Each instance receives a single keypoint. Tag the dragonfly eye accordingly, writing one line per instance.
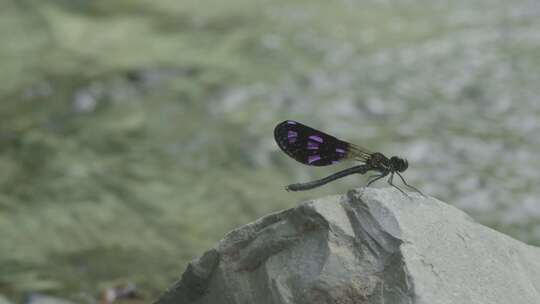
(404, 164)
(399, 164)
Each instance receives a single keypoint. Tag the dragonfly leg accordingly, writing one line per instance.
(373, 175)
(390, 181)
(404, 182)
(377, 178)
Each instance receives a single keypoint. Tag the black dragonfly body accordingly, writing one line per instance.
(315, 148)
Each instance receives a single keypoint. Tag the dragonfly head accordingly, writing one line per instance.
(399, 164)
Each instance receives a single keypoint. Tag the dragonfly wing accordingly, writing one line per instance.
(313, 147)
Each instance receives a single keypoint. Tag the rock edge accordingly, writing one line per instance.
(368, 246)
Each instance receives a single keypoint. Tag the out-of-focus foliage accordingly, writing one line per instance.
(134, 133)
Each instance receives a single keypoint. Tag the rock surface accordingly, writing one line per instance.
(369, 246)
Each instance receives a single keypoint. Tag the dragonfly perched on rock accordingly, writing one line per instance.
(315, 148)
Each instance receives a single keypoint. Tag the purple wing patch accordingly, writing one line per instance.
(291, 136)
(313, 158)
(310, 146)
(316, 138)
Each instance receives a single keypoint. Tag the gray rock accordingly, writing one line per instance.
(369, 246)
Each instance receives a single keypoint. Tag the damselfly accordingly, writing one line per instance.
(315, 148)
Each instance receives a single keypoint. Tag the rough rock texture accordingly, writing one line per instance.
(369, 246)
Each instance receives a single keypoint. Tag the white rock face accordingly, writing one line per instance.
(369, 246)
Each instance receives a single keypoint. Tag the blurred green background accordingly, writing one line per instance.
(134, 134)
